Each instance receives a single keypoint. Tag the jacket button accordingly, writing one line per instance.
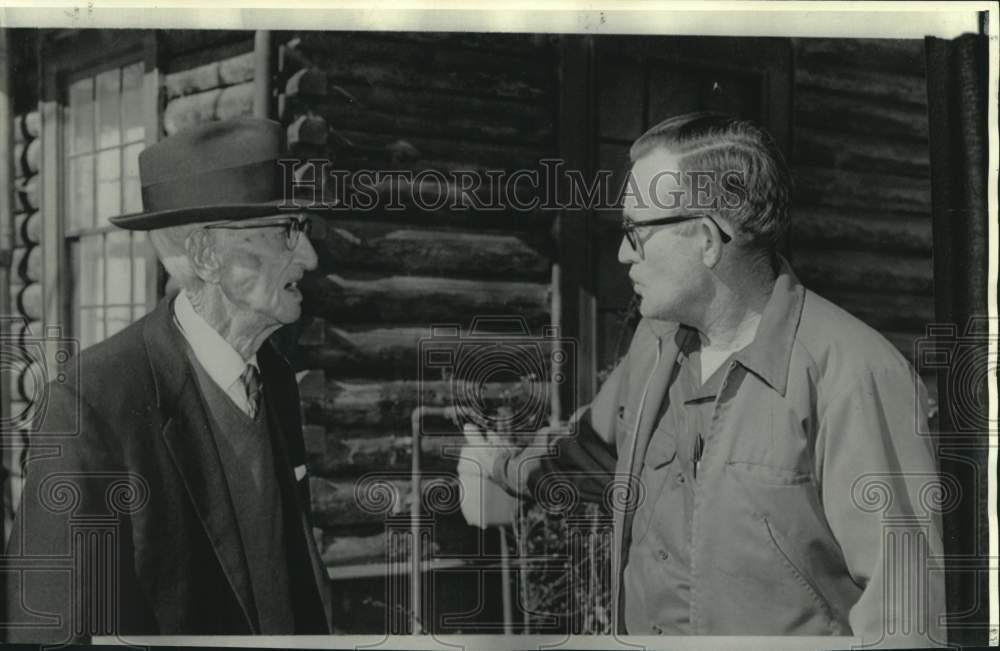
(657, 630)
(663, 555)
(621, 411)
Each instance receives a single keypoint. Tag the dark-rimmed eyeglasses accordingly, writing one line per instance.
(630, 227)
(294, 227)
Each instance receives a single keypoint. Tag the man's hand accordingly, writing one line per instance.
(484, 501)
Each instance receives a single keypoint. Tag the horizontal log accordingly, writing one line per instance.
(193, 80)
(386, 247)
(372, 409)
(862, 152)
(437, 106)
(868, 191)
(308, 82)
(343, 550)
(367, 353)
(452, 154)
(856, 230)
(308, 130)
(886, 311)
(185, 41)
(373, 499)
(427, 200)
(828, 268)
(237, 69)
(419, 299)
(894, 55)
(822, 109)
(350, 457)
(340, 546)
(862, 82)
(369, 59)
(187, 111)
(452, 125)
(235, 102)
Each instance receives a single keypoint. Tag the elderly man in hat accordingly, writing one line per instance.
(177, 503)
(764, 452)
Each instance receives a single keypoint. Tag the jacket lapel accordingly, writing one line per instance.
(653, 384)
(656, 396)
(188, 436)
(282, 408)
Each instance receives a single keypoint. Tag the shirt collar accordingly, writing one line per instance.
(769, 354)
(219, 359)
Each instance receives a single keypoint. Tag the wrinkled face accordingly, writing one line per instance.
(259, 274)
(667, 270)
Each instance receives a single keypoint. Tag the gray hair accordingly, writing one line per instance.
(171, 249)
(723, 145)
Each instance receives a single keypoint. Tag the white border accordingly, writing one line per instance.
(786, 19)
(706, 18)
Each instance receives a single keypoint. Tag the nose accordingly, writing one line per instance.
(305, 254)
(626, 254)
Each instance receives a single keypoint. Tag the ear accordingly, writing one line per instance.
(203, 252)
(712, 251)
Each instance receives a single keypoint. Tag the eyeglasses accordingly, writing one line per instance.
(630, 227)
(294, 227)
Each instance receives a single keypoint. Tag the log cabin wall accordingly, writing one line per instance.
(861, 227)
(207, 76)
(417, 102)
(25, 275)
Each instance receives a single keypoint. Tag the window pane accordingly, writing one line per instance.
(119, 266)
(132, 124)
(91, 326)
(141, 252)
(108, 118)
(108, 185)
(80, 192)
(91, 273)
(118, 318)
(81, 119)
(132, 190)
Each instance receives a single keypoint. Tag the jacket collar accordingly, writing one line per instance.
(769, 354)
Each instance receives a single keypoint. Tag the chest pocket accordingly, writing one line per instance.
(767, 442)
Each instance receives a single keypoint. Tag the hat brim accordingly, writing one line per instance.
(148, 221)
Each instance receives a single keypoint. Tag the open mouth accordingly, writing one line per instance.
(292, 286)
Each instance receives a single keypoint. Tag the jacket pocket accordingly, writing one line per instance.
(779, 546)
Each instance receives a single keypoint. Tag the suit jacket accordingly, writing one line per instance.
(126, 524)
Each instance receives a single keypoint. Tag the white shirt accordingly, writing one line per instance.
(220, 360)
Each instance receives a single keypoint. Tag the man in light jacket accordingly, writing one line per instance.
(764, 452)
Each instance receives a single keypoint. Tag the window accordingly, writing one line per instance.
(111, 269)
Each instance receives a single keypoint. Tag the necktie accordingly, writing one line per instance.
(251, 382)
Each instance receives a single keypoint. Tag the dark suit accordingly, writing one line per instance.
(157, 548)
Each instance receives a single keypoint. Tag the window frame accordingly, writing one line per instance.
(70, 55)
